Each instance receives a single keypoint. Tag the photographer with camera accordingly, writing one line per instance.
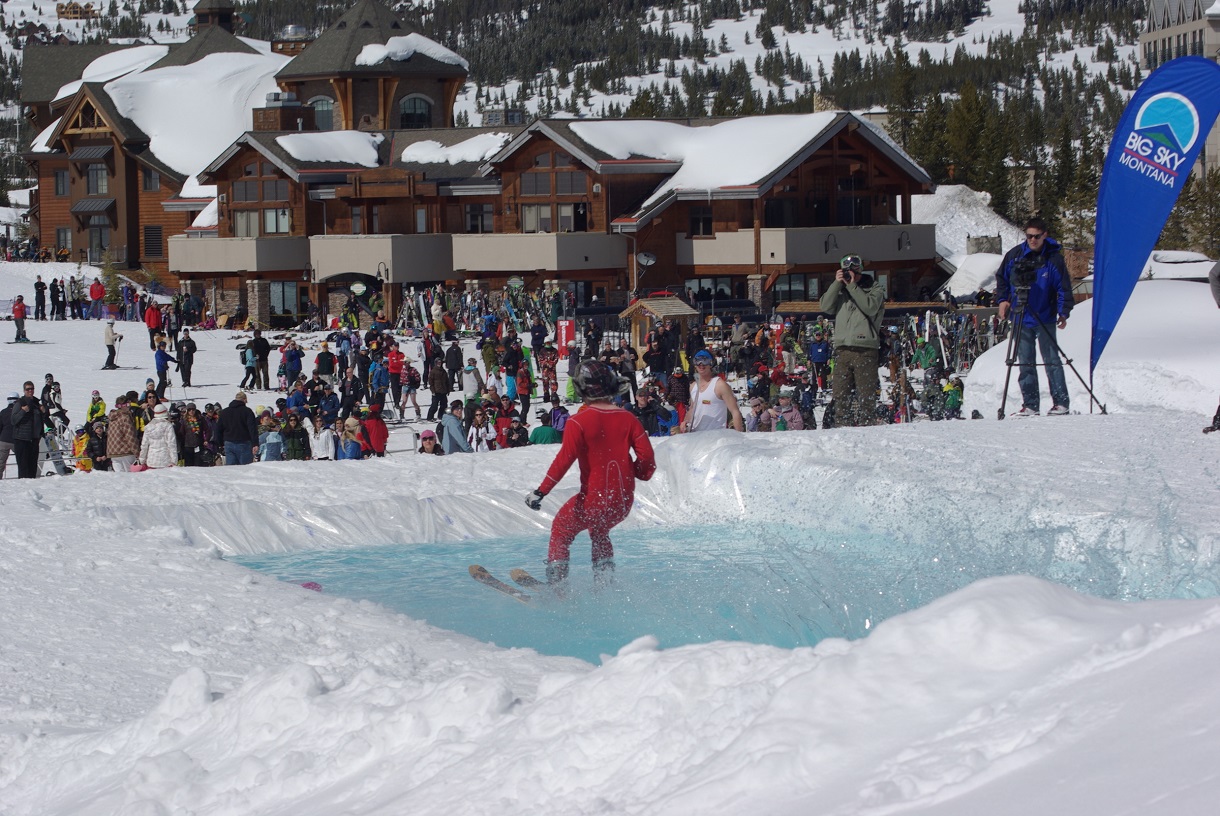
(1033, 280)
(857, 307)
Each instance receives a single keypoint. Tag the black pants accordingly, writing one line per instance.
(40, 308)
(437, 408)
(152, 338)
(26, 452)
(251, 378)
(261, 379)
(185, 370)
(396, 389)
(110, 356)
(162, 382)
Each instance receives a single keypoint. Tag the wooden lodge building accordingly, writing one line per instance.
(353, 172)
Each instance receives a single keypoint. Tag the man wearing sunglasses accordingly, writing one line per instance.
(1033, 280)
(857, 307)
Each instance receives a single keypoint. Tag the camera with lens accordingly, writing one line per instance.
(1025, 271)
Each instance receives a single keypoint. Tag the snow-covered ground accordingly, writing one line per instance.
(144, 675)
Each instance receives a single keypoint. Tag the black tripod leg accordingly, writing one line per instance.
(1059, 350)
(1010, 359)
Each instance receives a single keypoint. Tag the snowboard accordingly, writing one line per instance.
(23, 342)
(487, 579)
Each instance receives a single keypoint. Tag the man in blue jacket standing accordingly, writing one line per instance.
(1033, 279)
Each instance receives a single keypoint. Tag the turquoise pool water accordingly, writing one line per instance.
(782, 585)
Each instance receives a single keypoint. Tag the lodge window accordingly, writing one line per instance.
(563, 160)
(154, 242)
(375, 220)
(250, 169)
(700, 222)
(536, 184)
(573, 217)
(542, 160)
(277, 221)
(323, 112)
(152, 180)
(480, 218)
(709, 288)
(421, 220)
(570, 183)
(245, 223)
(245, 191)
(536, 218)
(357, 220)
(98, 179)
(414, 112)
(61, 183)
(63, 237)
(275, 190)
(798, 286)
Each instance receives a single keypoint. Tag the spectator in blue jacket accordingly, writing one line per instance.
(819, 359)
(1045, 306)
(328, 408)
(163, 359)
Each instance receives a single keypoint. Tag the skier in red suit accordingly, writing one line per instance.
(601, 437)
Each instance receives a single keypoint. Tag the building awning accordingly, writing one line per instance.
(659, 308)
(90, 206)
(90, 153)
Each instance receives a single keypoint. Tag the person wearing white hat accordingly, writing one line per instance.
(111, 339)
(159, 448)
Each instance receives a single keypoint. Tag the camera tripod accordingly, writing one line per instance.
(1018, 319)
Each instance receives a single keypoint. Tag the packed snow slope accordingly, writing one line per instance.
(143, 674)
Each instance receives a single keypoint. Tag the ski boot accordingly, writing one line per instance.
(556, 572)
(603, 573)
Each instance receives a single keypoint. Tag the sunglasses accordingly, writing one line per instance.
(1034, 235)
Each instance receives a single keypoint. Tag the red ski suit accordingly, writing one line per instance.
(602, 441)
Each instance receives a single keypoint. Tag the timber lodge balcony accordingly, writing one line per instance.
(811, 245)
(209, 256)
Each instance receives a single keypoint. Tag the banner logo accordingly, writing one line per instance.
(1166, 128)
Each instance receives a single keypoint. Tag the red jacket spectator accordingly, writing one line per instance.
(152, 316)
(394, 360)
(373, 434)
(96, 290)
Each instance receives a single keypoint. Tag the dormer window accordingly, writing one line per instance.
(415, 112)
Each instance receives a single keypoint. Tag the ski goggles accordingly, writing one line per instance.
(851, 262)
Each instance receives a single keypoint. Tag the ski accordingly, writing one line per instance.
(120, 368)
(523, 578)
(30, 342)
(487, 579)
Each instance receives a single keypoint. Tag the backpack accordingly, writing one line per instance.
(241, 353)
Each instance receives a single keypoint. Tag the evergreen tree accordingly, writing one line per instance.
(963, 124)
(902, 97)
(927, 144)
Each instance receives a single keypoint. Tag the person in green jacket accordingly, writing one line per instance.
(545, 434)
(857, 306)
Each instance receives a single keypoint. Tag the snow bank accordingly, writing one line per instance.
(338, 146)
(1169, 264)
(972, 272)
(143, 674)
(475, 149)
(403, 48)
(960, 213)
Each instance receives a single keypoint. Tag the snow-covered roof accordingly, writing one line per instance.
(475, 149)
(405, 47)
(715, 158)
(339, 146)
(115, 64)
(1176, 264)
(208, 217)
(191, 113)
